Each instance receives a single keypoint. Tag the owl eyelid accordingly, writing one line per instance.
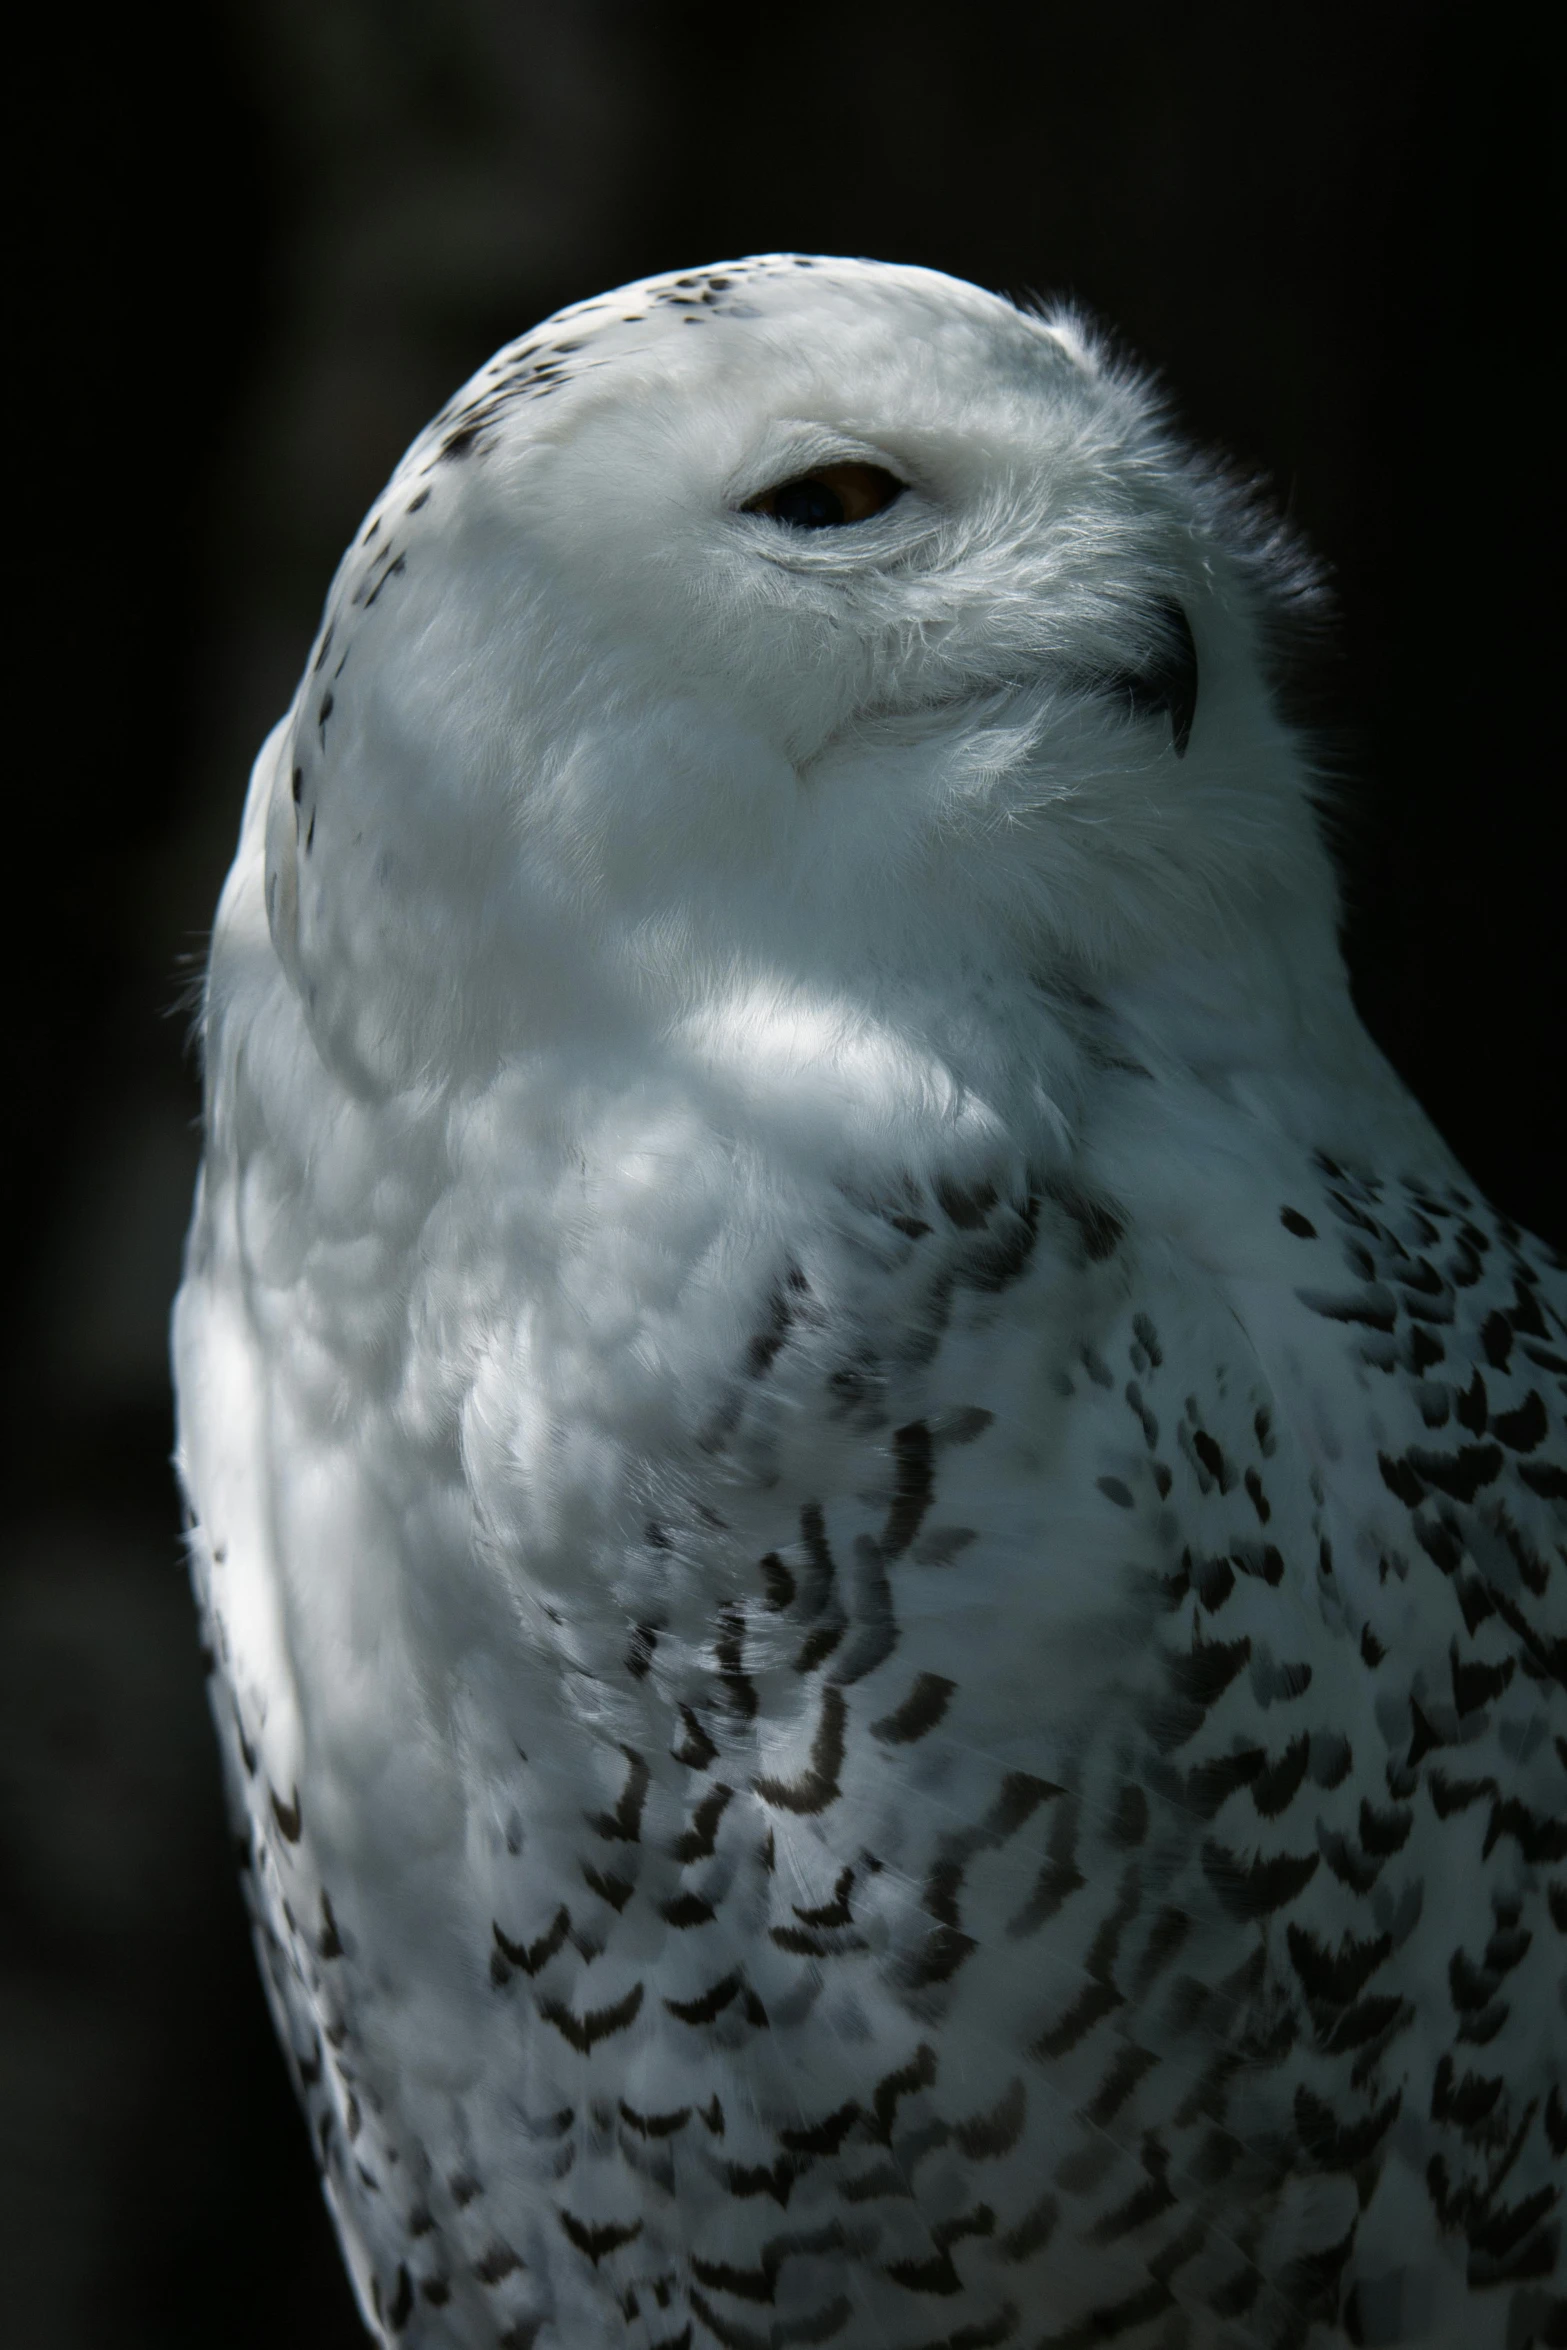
(796, 454)
(842, 494)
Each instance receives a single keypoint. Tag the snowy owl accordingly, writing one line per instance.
(881, 1532)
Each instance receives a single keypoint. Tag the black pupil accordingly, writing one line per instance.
(808, 505)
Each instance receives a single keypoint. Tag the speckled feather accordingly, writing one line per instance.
(884, 1539)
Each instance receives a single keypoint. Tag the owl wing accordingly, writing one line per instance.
(1061, 1825)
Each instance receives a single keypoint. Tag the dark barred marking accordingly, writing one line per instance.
(1203, 1674)
(1148, 1340)
(834, 1913)
(1374, 1307)
(1058, 1879)
(919, 1713)
(393, 570)
(799, 1944)
(1274, 1788)
(1210, 1785)
(919, 2073)
(819, 1785)
(745, 2284)
(400, 2307)
(988, 2334)
(1215, 1580)
(1470, 1987)
(760, 2283)
(700, 1839)
(696, 1750)
(1212, 1459)
(728, 1654)
(823, 2324)
(287, 1816)
(1129, 2066)
(1384, 1832)
(1378, 2018)
(1474, 1684)
(1100, 1230)
(781, 1316)
(780, 1583)
(497, 2263)
(1006, 1250)
(617, 1891)
(596, 2242)
(531, 1956)
(680, 2341)
(985, 2136)
(945, 1950)
(623, 1825)
(869, 2186)
(777, 2180)
(935, 2275)
(1349, 1866)
(819, 1645)
(1255, 1888)
(639, 1651)
(1461, 1474)
(708, 2005)
(600, 2023)
(1145, 2203)
(914, 1487)
(1334, 1978)
(1018, 1799)
(967, 1209)
(1090, 2007)
(687, 1909)
(1119, 2317)
(823, 2137)
(1538, 1840)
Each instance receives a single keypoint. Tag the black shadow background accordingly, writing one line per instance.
(264, 242)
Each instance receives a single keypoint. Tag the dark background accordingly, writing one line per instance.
(264, 242)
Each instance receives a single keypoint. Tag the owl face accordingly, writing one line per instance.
(799, 616)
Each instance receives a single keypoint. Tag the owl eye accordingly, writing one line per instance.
(829, 496)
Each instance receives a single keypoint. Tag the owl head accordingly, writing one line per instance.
(796, 623)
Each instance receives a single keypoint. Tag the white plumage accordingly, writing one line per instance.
(882, 1531)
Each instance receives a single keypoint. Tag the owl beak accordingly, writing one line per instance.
(1169, 683)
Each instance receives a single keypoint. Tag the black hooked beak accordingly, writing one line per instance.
(1169, 683)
